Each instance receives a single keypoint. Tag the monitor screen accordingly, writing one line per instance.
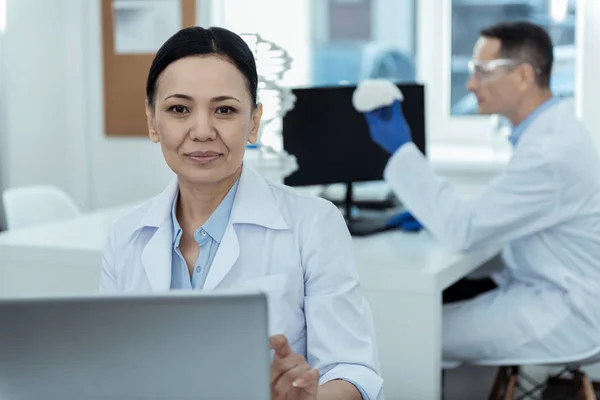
(331, 140)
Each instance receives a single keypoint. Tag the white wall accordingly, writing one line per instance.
(55, 128)
(3, 145)
(36, 107)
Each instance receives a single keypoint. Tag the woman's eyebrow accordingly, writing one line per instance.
(223, 98)
(180, 96)
(216, 99)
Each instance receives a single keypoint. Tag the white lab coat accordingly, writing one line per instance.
(544, 212)
(294, 247)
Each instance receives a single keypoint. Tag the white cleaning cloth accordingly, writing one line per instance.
(372, 94)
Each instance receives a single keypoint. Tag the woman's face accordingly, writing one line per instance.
(203, 117)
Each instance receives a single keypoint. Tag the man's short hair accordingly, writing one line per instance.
(525, 42)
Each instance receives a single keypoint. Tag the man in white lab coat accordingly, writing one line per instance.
(543, 211)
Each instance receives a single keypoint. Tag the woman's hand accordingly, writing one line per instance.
(291, 376)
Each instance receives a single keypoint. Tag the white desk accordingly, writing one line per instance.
(402, 275)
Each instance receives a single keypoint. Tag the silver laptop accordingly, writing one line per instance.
(172, 346)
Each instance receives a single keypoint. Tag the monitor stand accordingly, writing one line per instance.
(366, 222)
(390, 201)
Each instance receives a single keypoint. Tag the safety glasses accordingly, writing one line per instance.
(486, 71)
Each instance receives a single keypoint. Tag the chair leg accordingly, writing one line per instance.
(511, 387)
(499, 383)
(443, 384)
(505, 384)
(586, 389)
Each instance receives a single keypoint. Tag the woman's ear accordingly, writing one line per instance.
(151, 123)
(256, 116)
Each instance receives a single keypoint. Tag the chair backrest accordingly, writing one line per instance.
(33, 205)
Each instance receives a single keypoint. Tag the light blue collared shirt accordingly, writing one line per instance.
(208, 237)
(519, 129)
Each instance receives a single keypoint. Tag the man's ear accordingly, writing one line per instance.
(256, 116)
(151, 124)
(527, 75)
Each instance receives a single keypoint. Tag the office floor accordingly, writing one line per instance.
(474, 383)
(468, 383)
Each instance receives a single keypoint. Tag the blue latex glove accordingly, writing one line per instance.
(388, 127)
(405, 221)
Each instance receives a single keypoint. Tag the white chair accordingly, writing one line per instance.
(507, 382)
(33, 205)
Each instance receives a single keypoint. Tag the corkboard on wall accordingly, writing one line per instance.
(125, 77)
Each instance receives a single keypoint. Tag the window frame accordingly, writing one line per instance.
(434, 20)
(3, 7)
(3, 114)
(587, 84)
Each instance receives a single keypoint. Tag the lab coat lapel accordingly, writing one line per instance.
(157, 253)
(156, 259)
(254, 204)
(227, 255)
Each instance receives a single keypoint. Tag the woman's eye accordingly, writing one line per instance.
(225, 110)
(179, 109)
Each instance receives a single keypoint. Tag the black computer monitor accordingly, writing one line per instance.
(332, 144)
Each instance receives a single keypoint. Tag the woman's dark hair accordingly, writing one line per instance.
(197, 41)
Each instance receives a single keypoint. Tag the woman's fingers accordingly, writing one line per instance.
(307, 379)
(293, 379)
(280, 345)
(290, 372)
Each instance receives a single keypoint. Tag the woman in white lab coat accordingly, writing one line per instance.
(543, 211)
(220, 225)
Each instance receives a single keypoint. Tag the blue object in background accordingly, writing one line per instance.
(405, 221)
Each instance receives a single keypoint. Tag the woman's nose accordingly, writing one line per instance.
(203, 129)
